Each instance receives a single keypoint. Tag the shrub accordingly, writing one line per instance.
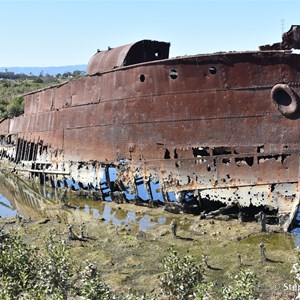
(3, 106)
(244, 287)
(55, 269)
(203, 291)
(181, 276)
(38, 80)
(28, 273)
(15, 107)
(92, 286)
(18, 266)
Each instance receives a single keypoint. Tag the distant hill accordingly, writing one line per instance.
(44, 70)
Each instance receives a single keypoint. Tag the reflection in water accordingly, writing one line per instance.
(145, 222)
(161, 220)
(297, 238)
(6, 209)
(36, 201)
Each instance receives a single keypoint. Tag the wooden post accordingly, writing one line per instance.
(174, 228)
(263, 220)
(262, 249)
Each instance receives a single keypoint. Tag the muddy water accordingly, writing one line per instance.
(35, 201)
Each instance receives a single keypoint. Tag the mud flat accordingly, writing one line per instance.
(130, 254)
(128, 242)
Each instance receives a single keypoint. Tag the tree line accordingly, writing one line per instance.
(11, 75)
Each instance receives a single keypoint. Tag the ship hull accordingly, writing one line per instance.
(205, 123)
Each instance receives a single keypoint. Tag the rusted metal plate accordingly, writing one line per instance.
(46, 100)
(107, 60)
(4, 127)
(139, 52)
(62, 97)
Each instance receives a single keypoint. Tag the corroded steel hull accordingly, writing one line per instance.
(224, 125)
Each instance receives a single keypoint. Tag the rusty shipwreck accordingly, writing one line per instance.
(222, 127)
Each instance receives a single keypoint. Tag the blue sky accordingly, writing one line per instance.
(68, 32)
